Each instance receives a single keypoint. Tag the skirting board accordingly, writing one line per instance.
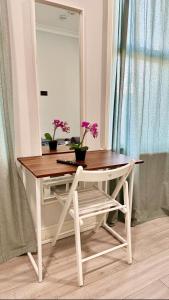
(68, 230)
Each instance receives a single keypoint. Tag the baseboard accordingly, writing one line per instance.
(68, 229)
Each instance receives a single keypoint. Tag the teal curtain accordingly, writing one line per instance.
(17, 235)
(144, 104)
(145, 127)
(120, 40)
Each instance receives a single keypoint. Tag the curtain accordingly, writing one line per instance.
(120, 39)
(144, 116)
(17, 235)
(120, 17)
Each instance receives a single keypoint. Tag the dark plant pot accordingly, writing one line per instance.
(53, 145)
(80, 155)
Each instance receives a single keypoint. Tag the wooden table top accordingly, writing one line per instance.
(60, 149)
(46, 165)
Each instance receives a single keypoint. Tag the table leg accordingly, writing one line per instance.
(131, 184)
(38, 227)
(37, 266)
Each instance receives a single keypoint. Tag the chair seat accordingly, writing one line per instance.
(92, 200)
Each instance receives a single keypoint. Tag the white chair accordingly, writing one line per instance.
(92, 202)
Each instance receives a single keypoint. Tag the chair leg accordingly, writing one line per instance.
(102, 219)
(61, 221)
(128, 223)
(77, 240)
(100, 222)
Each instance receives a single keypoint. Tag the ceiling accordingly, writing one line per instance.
(56, 18)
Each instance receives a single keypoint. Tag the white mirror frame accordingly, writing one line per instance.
(61, 3)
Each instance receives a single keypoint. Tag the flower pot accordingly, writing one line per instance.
(80, 154)
(53, 145)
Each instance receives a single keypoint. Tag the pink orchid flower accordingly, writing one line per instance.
(63, 125)
(93, 128)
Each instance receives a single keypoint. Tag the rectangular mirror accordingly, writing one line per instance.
(59, 70)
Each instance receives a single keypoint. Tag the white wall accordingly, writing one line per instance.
(58, 73)
(22, 42)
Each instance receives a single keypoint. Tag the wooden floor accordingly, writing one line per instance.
(107, 277)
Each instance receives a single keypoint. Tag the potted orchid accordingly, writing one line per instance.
(80, 149)
(51, 138)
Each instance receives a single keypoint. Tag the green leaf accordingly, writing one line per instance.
(74, 146)
(78, 146)
(84, 148)
(48, 136)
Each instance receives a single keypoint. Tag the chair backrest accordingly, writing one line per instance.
(103, 175)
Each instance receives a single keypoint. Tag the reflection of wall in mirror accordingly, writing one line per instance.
(58, 72)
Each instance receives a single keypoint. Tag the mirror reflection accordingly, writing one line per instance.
(58, 63)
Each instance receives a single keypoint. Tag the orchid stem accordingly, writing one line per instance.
(54, 133)
(83, 138)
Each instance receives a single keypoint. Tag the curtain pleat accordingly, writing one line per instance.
(119, 69)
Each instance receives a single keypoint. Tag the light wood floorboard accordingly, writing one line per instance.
(107, 277)
(155, 290)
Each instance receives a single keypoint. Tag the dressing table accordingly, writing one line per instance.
(44, 166)
(61, 88)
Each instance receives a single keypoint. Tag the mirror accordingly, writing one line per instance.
(58, 68)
